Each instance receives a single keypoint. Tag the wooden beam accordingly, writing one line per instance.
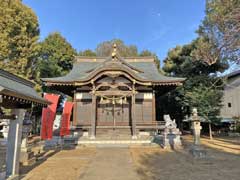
(113, 93)
(74, 109)
(11, 117)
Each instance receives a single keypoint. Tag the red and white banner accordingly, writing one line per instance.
(48, 116)
(65, 122)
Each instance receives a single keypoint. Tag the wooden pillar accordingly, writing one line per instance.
(153, 107)
(134, 135)
(14, 143)
(93, 121)
(74, 109)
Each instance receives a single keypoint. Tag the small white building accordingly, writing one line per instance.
(231, 99)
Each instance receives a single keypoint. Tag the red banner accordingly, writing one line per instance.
(48, 116)
(65, 122)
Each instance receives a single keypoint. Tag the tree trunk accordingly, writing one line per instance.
(210, 131)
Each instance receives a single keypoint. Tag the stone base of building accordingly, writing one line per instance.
(106, 137)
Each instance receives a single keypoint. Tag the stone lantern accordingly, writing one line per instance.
(196, 127)
(196, 150)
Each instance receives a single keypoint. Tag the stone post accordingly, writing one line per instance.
(14, 143)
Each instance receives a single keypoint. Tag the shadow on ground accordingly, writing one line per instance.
(41, 158)
(180, 165)
(61, 164)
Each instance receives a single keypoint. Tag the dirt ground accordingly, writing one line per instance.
(222, 161)
(62, 165)
(141, 163)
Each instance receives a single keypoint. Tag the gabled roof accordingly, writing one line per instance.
(143, 69)
(19, 88)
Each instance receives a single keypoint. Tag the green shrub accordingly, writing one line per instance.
(238, 127)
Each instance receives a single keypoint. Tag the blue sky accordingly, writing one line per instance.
(157, 25)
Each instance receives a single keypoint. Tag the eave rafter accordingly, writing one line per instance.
(21, 99)
(76, 83)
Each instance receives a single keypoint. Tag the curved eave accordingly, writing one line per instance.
(88, 79)
(116, 67)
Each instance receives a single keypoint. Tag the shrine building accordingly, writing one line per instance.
(114, 93)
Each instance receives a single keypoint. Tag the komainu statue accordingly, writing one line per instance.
(169, 123)
(171, 134)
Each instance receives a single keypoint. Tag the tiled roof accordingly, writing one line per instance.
(83, 69)
(14, 86)
(232, 74)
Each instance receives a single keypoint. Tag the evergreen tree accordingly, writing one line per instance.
(87, 52)
(19, 32)
(219, 32)
(202, 89)
(104, 49)
(56, 56)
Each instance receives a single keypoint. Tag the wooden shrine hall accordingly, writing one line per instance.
(114, 92)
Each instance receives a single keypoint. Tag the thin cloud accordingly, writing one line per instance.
(156, 35)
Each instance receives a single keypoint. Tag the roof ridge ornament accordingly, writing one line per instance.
(114, 52)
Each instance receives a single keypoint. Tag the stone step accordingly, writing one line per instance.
(110, 132)
(117, 144)
(113, 142)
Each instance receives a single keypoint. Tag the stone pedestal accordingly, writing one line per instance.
(172, 138)
(134, 137)
(198, 152)
(26, 156)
